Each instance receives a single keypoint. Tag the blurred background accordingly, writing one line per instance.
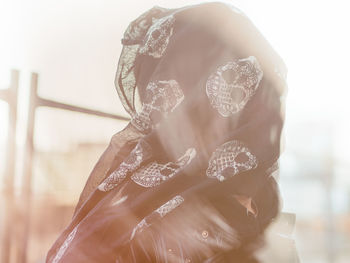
(59, 109)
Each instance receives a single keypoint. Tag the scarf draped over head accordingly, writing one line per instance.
(209, 83)
(208, 130)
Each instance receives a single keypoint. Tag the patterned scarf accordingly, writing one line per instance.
(190, 178)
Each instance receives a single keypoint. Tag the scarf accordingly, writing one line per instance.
(190, 177)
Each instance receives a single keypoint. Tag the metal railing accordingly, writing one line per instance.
(23, 212)
(10, 96)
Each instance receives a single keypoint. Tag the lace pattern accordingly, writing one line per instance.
(157, 37)
(135, 43)
(139, 228)
(170, 205)
(198, 230)
(161, 211)
(65, 245)
(231, 86)
(140, 153)
(137, 29)
(154, 173)
(230, 159)
(161, 98)
(125, 80)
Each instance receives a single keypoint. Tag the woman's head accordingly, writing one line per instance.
(205, 76)
(188, 42)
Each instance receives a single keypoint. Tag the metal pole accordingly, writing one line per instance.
(329, 188)
(4, 95)
(64, 106)
(26, 194)
(11, 97)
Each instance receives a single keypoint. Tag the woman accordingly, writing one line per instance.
(189, 178)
